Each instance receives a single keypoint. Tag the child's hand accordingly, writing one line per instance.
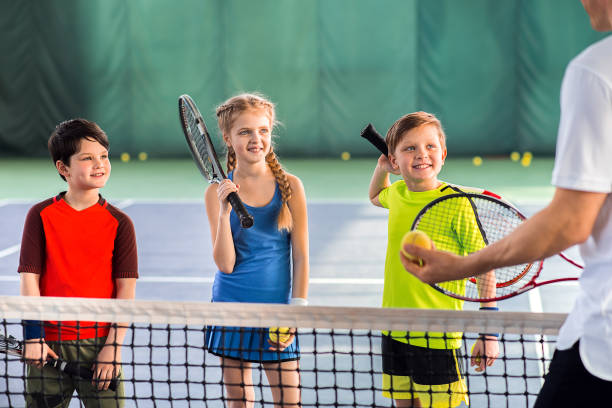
(108, 363)
(484, 352)
(36, 352)
(385, 164)
(281, 345)
(223, 190)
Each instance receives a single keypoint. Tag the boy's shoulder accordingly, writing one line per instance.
(41, 205)
(115, 211)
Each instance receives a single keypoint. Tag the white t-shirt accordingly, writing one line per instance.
(584, 162)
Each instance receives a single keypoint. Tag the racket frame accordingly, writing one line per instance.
(531, 284)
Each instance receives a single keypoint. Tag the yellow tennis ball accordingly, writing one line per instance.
(418, 238)
(527, 155)
(526, 161)
(279, 334)
(515, 156)
(345, 156)
(142, 156)
(125, 157)
(477, 160)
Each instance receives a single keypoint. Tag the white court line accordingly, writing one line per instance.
(9, 251)
(210, 279)
(197, 279)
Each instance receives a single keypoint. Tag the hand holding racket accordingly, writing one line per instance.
(204, 154)
(11, 346)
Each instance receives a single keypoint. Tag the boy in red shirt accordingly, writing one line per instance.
(77, 245)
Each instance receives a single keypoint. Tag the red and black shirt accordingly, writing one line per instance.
(78, 254)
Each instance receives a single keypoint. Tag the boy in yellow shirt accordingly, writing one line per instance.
(420, 369)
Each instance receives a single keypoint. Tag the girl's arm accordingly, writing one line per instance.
(380, 179)
(218, 211)
(108, 361)
(36, 351)
(299, 238)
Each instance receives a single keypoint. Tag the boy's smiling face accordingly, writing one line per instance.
(419, 156)
(89, 167)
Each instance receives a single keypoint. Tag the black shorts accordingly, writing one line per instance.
(569, 384)
(425, 366)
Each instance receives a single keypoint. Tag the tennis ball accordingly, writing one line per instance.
(527, 155)
(125, 157)
(515, 156)
(418, 238)
(526, 160)
(477, 161)
(279, 334)
(142, 156)
(345, 156)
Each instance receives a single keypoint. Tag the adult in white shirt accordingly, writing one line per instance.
(579, 213)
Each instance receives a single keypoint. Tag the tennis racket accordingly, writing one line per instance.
(463, 223)
(492, 218)
(204, 154)
(11, 346)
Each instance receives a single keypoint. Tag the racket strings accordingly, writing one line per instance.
(197, 143)
(463, 224)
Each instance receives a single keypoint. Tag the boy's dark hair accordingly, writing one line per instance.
(409, 122)
(66, 138)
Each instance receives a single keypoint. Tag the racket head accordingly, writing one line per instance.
(10, 345)
(463, 223)
(199, 141)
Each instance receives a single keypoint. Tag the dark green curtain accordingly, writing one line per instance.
(490, 70)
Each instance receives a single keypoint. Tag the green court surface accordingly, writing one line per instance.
(324, 179)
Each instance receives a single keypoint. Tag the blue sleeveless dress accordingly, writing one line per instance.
(262, 274)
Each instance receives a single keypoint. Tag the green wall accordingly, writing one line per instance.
(490, 69)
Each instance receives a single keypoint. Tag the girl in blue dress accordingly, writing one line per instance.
(267, 263)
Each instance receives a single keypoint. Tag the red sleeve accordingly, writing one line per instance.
(125, 254)
(32, 255)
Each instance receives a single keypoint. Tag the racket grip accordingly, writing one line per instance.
(372, 136)
(246, 220)
(77, 370)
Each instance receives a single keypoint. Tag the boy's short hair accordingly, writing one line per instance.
(409, 122)
(66, 138)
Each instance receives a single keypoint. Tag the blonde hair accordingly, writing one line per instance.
(409, 122)
(226, 115)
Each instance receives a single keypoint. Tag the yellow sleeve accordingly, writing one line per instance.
(383, 197)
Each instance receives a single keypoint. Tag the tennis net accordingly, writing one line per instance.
(165, 361)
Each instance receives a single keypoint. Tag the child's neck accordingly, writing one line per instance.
(422, 185)
(250, 170)
(81, 199)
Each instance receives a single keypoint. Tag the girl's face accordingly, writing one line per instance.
(419, 157)
(250, 136)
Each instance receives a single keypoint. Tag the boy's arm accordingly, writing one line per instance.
(35, 350)
(380, 179)
(108, 361)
